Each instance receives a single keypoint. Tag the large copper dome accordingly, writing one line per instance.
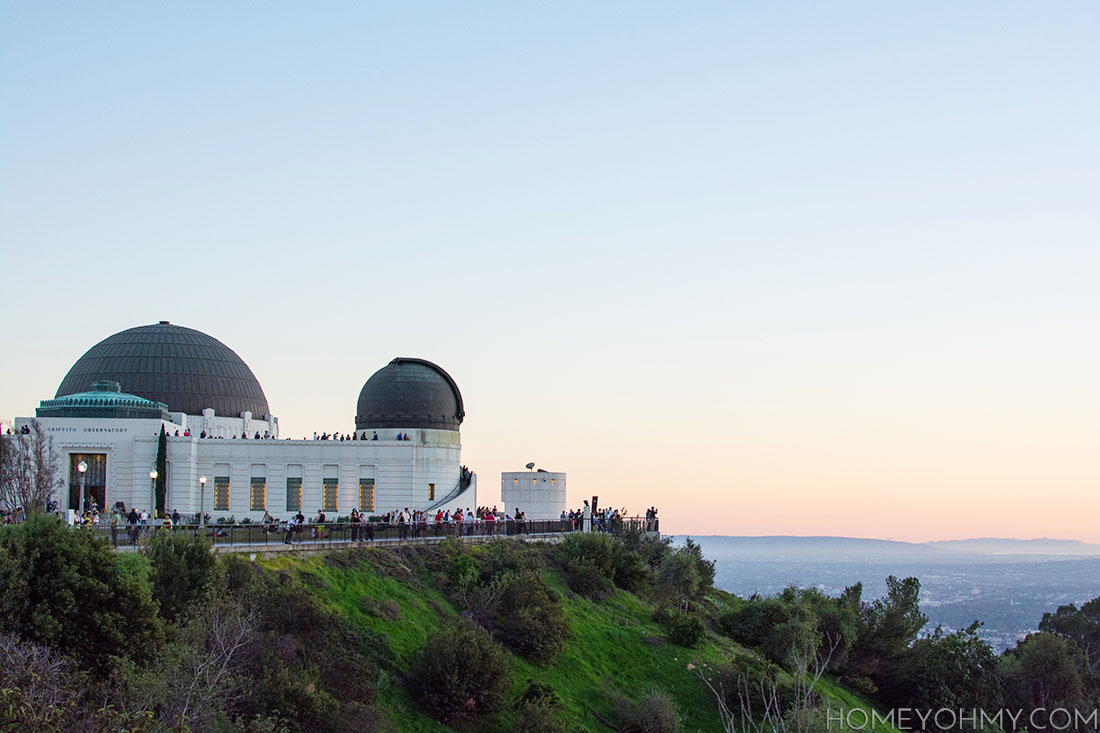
(185, 369)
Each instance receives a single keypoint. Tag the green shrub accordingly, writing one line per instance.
(305, 663)
(182, 570)
(67, 590)
(655, 712)
(686, 630)
(652, 548)
(773, 625)
(588, 559)
(588, 580)
(538, 711)
(680, 628)
(631, 572)
(527, 616)
(502, 556)
(461, 674)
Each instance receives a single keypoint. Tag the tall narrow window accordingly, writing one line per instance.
(221, 493)
(366, 495)
(258, 494)
(294, 494)
(330, 497)
(431, 492)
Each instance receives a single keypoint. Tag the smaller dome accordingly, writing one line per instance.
(410, 393)
(105, 399)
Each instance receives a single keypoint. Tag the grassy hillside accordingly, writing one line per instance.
(594, 633)
(614, 649)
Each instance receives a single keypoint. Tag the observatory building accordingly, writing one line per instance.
(223, 453)
(540, 493)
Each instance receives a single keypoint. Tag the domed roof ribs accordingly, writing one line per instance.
(461, 413)
(186, 369)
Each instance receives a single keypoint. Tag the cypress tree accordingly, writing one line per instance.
(162, 471)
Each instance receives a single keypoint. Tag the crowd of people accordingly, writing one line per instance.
(416, 523)
(337, 436)
(133, 524)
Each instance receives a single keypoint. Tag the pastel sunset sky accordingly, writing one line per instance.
(800, 268)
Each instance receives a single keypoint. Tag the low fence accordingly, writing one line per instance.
(234, 537)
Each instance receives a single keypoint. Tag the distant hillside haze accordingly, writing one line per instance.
(1002, 546)
(782, 548)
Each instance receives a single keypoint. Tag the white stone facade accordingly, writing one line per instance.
(538, 494)
(416, 473)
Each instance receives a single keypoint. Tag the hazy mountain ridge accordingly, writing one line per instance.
(1010, 546)
(857, 549)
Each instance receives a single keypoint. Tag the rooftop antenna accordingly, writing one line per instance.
(531, 466)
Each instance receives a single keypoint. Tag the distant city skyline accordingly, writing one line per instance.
(798, 270)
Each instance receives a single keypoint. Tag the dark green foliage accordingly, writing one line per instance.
(528, 617)
(588, 559)
(837, 623)
(160, 482)
(684, 629)
(1045, 672)
(794, 626)
(631, 572)
(703, 566)
(678, 580)
(651, 548)
(305, 664)
(655, 712)
(69, 591)
(887, 627)
(461, 674)
(182, 570)
(42, 690)
(774, 625)
(538, 711)
(461, 575)
(501, 557)
(1082, 626)
(951, 671)
(748, 678)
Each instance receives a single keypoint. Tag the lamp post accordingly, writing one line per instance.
(82, 468)
(153, 483)
(202, 502)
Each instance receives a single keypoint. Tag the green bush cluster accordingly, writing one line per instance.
(461, 674)
(527, 616)
(68, 591)
(593, 563)
(681, 628)
(182, 570)
(538, 710)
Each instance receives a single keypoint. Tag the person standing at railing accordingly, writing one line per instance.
(116, 520)
(290, 526)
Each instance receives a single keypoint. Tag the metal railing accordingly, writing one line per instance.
(231, 537)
